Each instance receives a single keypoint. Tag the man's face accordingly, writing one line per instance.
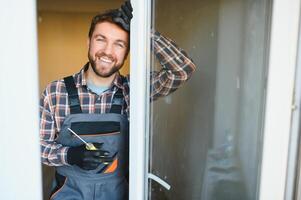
(107, 49)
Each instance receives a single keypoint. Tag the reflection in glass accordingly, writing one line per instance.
(206, 138)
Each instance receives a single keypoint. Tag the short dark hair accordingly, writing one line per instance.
(107, 16)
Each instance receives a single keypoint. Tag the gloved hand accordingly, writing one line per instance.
(88, 159)
(124, 15)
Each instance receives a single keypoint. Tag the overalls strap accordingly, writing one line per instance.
(118, 100)
(73, 98)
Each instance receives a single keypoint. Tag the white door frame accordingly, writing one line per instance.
(140, 59)
(279, 103)
(20, 168)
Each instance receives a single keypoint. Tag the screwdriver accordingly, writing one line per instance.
(89, 146)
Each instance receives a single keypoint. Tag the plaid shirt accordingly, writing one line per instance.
(54, 107)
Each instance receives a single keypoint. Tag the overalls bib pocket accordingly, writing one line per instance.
(105, 132)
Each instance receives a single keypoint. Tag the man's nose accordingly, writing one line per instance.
(108, 49)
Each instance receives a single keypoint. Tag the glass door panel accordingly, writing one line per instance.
(206, 137)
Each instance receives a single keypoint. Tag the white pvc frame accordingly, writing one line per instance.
(140, 49)
(20, 168)
(293, 190)
(280, 89)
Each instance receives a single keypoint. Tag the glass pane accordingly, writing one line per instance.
(206, 137)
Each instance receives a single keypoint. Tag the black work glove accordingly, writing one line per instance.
(88, 159)
(124, 15)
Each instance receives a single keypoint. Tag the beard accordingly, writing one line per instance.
(99, 73)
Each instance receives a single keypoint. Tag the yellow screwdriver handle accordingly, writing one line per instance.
(91, 147)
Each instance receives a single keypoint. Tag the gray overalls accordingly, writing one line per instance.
(106, 182)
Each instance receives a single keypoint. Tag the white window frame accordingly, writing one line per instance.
(279, 102)
(139, 95)
(20, 168)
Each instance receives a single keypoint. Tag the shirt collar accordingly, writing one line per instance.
(80, 79)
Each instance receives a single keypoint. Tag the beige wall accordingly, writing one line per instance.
(62, 39)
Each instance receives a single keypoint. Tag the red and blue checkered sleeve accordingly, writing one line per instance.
(52, 153)
(177, 67)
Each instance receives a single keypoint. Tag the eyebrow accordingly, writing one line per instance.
(97, 35)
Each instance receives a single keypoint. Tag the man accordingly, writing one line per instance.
(84, 117)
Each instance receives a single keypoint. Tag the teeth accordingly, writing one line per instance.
(105, 59)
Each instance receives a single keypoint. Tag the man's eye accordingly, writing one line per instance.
(100, 39)
(120, 45)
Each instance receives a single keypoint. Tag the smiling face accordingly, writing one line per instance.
(108, 47)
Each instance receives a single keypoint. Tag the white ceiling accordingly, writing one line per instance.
(77, 5)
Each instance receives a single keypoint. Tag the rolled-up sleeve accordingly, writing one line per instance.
(177, 67)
